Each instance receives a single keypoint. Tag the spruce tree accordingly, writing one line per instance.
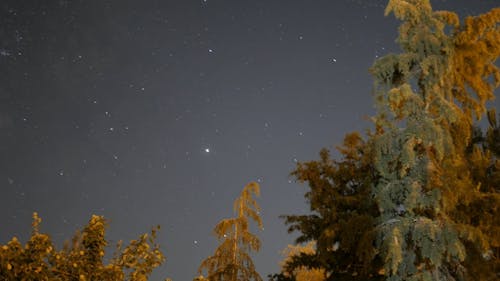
(231, 260)
(426, 185)
(427, 98)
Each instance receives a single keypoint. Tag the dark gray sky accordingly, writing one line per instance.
(159, 112)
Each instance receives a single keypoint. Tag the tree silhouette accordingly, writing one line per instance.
(231, 260)
(343, 215)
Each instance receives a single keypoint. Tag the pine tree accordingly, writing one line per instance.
(231, 260)
(427, 98)
(434, 183)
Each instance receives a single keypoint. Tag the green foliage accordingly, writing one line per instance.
(82, 260)
(231, 260)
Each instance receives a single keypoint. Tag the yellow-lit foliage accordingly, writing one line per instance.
(231, 260)
(427, 99)
(474, 74)
(302, 273)
(419, 199)
(82, 259)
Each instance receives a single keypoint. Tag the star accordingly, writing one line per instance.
(4, 53)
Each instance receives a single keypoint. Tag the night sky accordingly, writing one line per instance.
(159, 112)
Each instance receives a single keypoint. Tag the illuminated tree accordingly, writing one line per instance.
(301, 273)
(484, 210)
(341, 224)
(231, 260)
(420, 197)
(427, 98)
(82, 259)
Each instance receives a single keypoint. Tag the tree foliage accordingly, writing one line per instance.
(427, 98)
(231, 260)
(82, 259)
(420, 197)
(342, 215)
(302, 273)
(483, 211)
